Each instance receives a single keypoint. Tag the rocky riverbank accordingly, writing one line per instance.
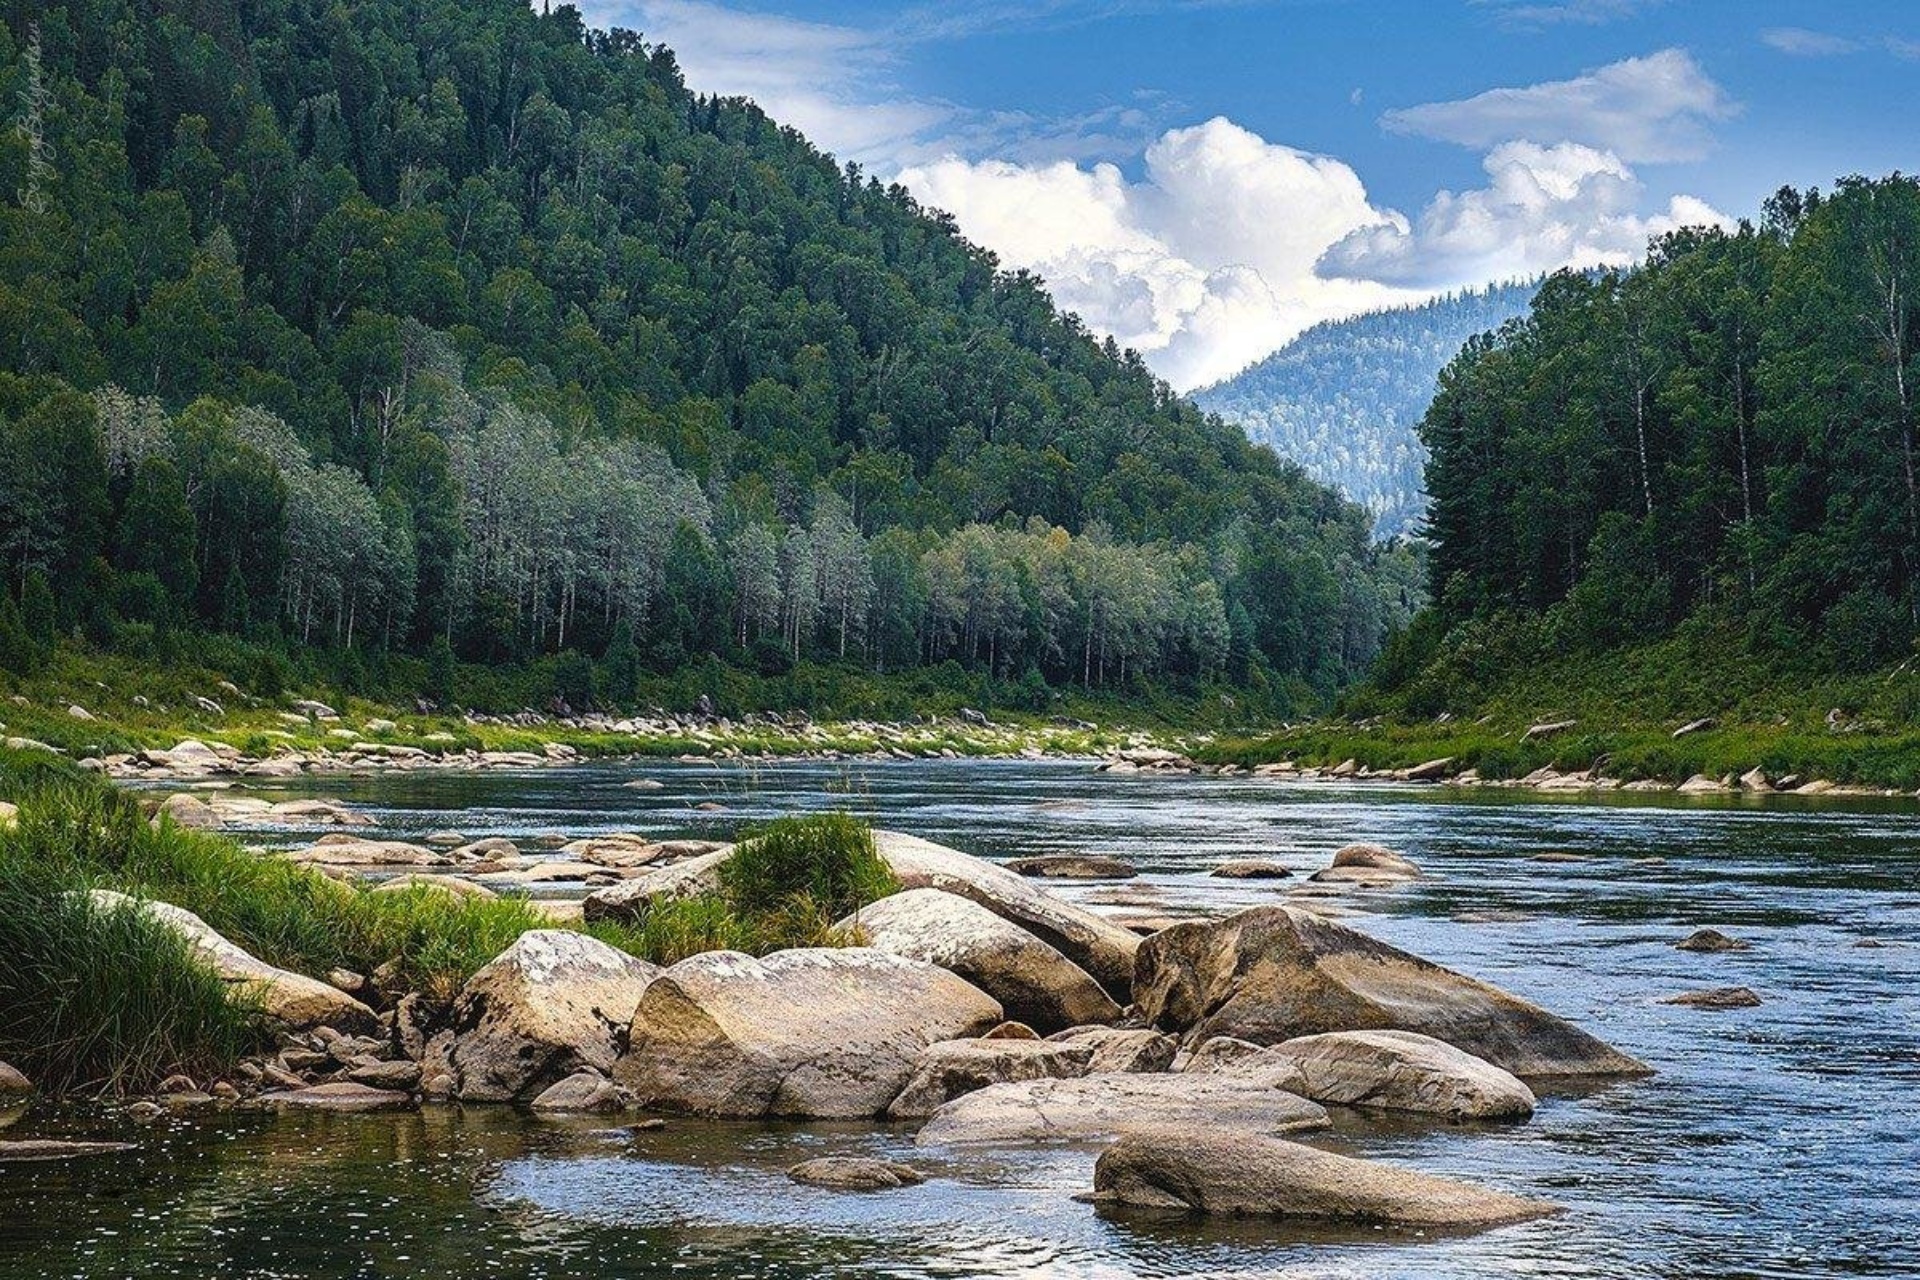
(973, 1000)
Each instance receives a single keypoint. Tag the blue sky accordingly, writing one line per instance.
(1204, 178)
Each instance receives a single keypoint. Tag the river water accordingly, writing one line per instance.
(1782, 1140)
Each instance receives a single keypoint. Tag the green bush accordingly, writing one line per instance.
(98, 999)
(827, 859)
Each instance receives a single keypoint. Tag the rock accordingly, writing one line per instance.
(1430, 770)
(855, 1173)
(1033, 982)
(291, 999)
(1392, 1071)
(381, 726)
(1011, 1031)
(629, 899)
(9, 815)
(1716, 999)
(1755, 779)
(1700, 784)
(400, 1075)
(644, 784)
(1121, 1052)
(178, 1084)
(29, 744)
(553, 1002)
(22, 1151)
(1098, 1107)
(1552, 728)
(1711, 940)
(1368, 866)
(1102, 948)
(487, 850)
(190, 812)
(1272, 974)
(814, 1032)
(1251, 869)
(342, 850)
(1694, 726)
(1222, 1054)
(13, 1080)
(316, 710)
(1215, 1171)
(955, 1067)
(144, 1112)
(79, 712)
(338, 1095)
(1073, 866)
(585, 1091)
(444, 840)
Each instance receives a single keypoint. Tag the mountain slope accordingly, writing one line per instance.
(1344, 397)
(378, 325)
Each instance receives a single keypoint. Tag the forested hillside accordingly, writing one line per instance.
(1720, 442)
(408, 326)
(1344, 399)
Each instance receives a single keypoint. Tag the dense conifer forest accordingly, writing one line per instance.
(1345, 398)
(456, 329)
(1718, 444)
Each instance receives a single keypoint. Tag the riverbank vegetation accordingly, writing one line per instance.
(317, 330)
(99, 998)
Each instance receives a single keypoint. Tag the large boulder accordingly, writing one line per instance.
(291, 999)
(342, 850)
(549, 1005)
(1228, 1171)
(1272, 974)
(1093, 1108)
(1391, 1070)
(955, 1067)
(1032, 981)
(814, 1032)
(1101, 947)
(1118, 1050)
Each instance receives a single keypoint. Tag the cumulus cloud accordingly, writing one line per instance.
(1204, 264)
(1543, 208)
(1656, 108)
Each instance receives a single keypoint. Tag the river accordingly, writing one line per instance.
(1782, 1140)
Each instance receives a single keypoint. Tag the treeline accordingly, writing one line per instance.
(443, 322)
(1345, 398)
(1725, 433)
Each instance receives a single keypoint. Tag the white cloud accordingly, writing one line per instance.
(1203, 265)
(1543, 208)
(1802, 43)
(1656, 108)
(1547, 13)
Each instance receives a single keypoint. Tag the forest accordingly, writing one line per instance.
(1345, 398)
(1718, 442)
(456, 329)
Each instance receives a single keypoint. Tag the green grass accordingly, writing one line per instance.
(1475, 702)
(97, 999)
(826, 858)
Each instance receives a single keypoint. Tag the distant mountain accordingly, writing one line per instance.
(1344, 398)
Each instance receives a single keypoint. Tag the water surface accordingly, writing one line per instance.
(1776, 1141)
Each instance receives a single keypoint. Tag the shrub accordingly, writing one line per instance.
(98, 999)
(826, 858)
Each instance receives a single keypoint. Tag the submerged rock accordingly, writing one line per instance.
(952, 1068)
(1711, 940)
(553, 1002)
(1033, 982)
(1073, 866)
(340, 1095)
(1099, 1107)
(855, 1173)
(1367, 866)
(1251, 869)
(24, 1150)
(1214, 1171)
(815, 1032)
(1272, 974)
(291, 999)
(1716, 999)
